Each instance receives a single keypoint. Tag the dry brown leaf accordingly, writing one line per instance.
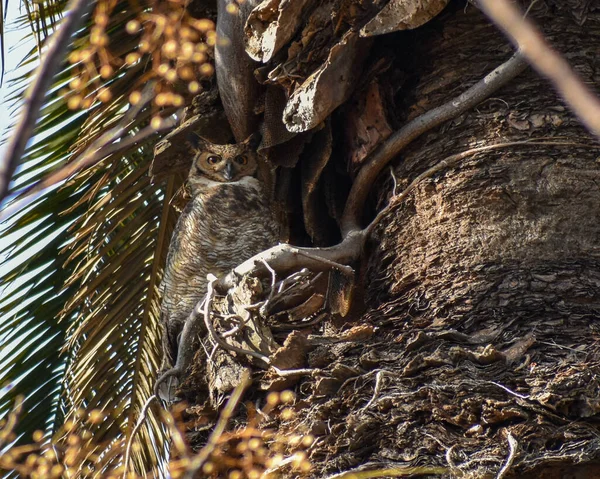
(271, 25)
(403, 15)
(328, 87)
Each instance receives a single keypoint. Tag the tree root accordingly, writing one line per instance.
(391, 147)
(285, 258)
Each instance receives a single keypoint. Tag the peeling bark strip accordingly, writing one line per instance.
(321, 71)
(366, 126)
(271, 25)
(403, 15)
(316, 157)
(328, 87)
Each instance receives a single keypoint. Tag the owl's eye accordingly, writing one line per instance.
(213, 159)
(241, 160)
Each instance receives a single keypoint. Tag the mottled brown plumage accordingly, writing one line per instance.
(228, 220)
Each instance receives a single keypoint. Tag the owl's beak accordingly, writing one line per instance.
(228, 172)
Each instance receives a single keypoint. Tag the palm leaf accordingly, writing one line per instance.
(80, 314)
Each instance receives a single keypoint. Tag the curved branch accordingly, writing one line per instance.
(285, 259)
(398, 141)
(34, 98)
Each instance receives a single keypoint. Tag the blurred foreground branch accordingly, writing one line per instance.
(547, 61)
(76, 12)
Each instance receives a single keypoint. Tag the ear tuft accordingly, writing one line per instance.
(253, 140)
(195, 141)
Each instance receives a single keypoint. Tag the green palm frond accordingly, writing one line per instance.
(33, 286)
(79, 321)
(113, 335)
(40, 18)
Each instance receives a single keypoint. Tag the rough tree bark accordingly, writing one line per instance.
(486, 279)
(479, 329)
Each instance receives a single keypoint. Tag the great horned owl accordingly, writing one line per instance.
(228, 220)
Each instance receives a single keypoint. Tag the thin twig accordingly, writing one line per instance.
(510, 391)
(198, 461)
(512, 452)
(377, 389)
(137, 427)
(292, 280)
(562, 346)
(413, 129)
(233, 331)
(263, 308)
(394, 180)
(77, 10)
(299, 324)
(547, 61)
(448, 456)
(285, 373)
(356, 378)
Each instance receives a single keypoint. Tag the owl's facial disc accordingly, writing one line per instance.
(223, 163)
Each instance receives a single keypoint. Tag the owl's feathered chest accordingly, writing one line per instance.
(223, 225)
(218, 214)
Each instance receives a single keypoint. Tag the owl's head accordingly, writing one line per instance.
(223, 163)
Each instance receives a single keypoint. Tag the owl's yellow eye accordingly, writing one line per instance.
(241, 160)
(213, 159)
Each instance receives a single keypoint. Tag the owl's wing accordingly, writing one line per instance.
(171, 314)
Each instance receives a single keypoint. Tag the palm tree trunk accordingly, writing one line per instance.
(477, 347)
(484, 282)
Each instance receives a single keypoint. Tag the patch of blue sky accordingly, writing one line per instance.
(17, 43)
